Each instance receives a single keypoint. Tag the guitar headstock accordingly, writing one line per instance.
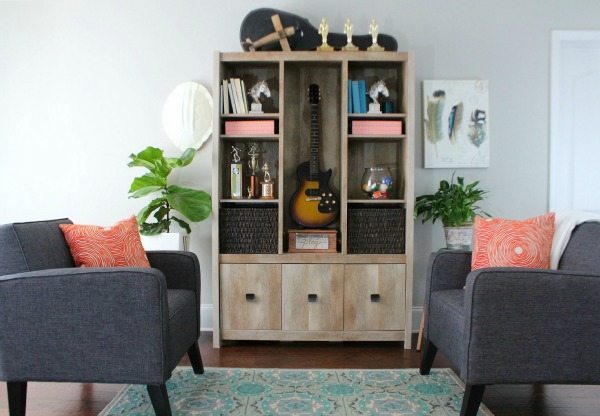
(314, 95)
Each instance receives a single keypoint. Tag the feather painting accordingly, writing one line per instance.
(477, 127)
(433, 122)
(455, 121)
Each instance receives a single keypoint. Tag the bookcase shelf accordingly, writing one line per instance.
(373, 243)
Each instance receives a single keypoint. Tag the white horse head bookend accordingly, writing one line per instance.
(255, 92)
(376, 89)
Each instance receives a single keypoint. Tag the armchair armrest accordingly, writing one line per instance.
(551, 314)
(446, 269)
(181, 270)
(84, 325)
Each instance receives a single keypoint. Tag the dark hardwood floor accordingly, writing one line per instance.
(71, 399)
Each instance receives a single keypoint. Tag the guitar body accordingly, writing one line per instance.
(258, 23)
(314, 204)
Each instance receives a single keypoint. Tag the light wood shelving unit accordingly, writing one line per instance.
(359, 297)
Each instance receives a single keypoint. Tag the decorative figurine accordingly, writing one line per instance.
(253, 164)
(236, 173)
(376, 89)
(348, 29)
(374, 32)
(257, 89)
(324, 32)
(267, 190)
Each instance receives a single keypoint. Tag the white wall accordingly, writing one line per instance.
(82, 85)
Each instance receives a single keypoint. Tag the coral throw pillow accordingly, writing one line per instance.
(499, 242)
(96, 246)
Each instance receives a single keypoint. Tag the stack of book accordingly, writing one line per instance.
(377, 127)
(357, 96)
(233, 96)
(250, 127)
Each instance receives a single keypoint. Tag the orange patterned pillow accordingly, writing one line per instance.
(498, 242)
(116, 246)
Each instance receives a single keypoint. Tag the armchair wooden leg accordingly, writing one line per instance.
(17, 397)
(472, 399)
(195, 358)
(160, 399)
(427, 357)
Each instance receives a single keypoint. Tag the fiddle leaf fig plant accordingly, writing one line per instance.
(454, 203)
(193, 205)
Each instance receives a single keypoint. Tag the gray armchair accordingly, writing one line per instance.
(515, 325)
(98, 325)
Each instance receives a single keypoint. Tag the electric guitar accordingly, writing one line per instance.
(314, 204)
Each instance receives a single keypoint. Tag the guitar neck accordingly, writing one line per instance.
(314, 142)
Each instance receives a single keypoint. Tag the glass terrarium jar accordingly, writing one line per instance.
(377, 182)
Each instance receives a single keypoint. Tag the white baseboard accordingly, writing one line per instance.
(206, 316)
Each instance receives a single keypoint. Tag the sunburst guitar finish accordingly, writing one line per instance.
(314, 204)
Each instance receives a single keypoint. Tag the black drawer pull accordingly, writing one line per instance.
(312, 297)
(375, 297)
(250, 296)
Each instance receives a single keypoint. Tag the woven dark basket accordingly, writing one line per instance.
(248, 230)
(378, 230)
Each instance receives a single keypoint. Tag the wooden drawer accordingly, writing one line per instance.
(312, 297)
(251, 296)
(374, 297)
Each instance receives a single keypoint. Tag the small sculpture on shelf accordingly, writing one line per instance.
(374, 32)
(324, 32)
(261, 87)
(376, 89)
(348, 29)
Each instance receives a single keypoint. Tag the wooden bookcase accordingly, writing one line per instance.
(261, 295)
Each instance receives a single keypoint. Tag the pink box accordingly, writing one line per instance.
(239, 127)
(377, 127)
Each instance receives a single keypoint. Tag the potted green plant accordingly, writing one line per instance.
(455, 204)
(190, 204)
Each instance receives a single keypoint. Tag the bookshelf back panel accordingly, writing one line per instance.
(268, 152)
(364, 154)
(390, 72)
(296, 142)
(251, 73)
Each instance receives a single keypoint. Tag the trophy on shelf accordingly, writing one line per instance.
(348, 29)
(236, 173)
(253, 184)
(261, 87)
(324, 32)
(376, 89)
(374, 32)
(267, 185)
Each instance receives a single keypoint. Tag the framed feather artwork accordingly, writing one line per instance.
(456, 124)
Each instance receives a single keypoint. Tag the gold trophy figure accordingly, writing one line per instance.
(253, 164)
(348, 29)
(324, 32)
(267, 186)
(374, 32)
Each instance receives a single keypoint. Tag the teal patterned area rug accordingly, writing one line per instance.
(240, 391)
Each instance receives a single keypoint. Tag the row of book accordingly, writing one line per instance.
(233, 96)
(357, 96)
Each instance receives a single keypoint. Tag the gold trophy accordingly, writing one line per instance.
(253, 164)
(267, 186)
(324, 32)
(348, 29)
(374, 32)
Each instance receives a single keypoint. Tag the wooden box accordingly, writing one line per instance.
(312, 241)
